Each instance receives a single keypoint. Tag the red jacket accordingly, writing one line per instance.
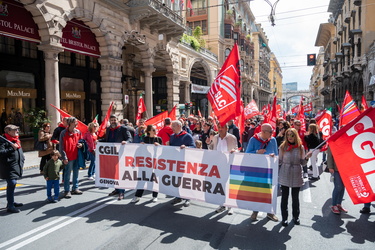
(165, 133)
(68, 144)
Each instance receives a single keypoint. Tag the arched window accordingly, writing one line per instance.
(227, 52)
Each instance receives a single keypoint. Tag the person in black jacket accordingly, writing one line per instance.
(233, 129)
(313, 138)
(11, 163)
(117, 133)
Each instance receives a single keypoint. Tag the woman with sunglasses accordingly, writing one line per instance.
(150, 138)
(291, 159)
(44, 135)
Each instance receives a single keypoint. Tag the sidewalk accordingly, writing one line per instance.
(31, 160)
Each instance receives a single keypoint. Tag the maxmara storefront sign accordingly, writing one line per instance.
(73, 95)
(17, 22)
(17, 92)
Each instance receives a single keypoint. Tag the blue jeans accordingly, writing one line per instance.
(338, 190)
(71, 166)
(56, 189)
(91, 170)
(11, 186)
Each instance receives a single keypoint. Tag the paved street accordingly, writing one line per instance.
(96, 221)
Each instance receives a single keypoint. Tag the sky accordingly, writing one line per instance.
(294, 34)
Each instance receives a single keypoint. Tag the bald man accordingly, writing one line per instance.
(263, 143)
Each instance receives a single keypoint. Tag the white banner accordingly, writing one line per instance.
(247, 181)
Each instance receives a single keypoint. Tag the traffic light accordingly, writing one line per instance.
(311, 59)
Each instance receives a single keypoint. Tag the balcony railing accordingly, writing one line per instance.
(197, 12)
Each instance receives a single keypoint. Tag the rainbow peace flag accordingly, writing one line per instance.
(250, 184)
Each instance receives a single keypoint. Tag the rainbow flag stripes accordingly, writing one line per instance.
(250, 184)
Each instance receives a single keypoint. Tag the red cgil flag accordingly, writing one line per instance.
(81, 126)
(364, 105)
(173, 113)
(103, 125)
(251, 110)
(349, 110)
(225, 92)
(352, 149)
(324, 122)
(308, 107)
(141, 109)
(273, 115)
(157, 120)
(301, 116)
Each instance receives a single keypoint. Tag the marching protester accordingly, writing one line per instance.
(91, 139)
(339, 188)
(223, 142)
(297, 124)
(313, 138)
(150, 138)
(45, 136)
(282, 128)
(51, 172)
(207, 131)
(291, 158)
(263, 143)
(247, 133)
(56, 133)
(11, 164)
(234, 130)
(182, 139)
(197, 132)
(166, 132)
(139, 132)
(117, 133)
(69, 146)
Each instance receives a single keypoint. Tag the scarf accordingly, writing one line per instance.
(264, 143)
(113, 129)
(61, 125)
(14, 140)
(291, 146)
(183, 132)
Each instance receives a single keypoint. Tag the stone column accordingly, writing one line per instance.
(148, 90)
(173, 86)
(52, 83)
(111, 85)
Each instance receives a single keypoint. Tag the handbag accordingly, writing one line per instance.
(40, 145)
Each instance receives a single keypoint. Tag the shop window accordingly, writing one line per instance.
(65, 57)
(228, 30)
(80, 60)
(72, 84)
(29, 49)
(93, 62)
(93, 87)
(7, 45)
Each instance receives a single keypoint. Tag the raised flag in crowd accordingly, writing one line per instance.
(157, 120)
(301, 116)
(81, 126)
(173, 113)
(349, 110)
(141, 109)
(324, 122)
(364, 105)
(352, 149)
(251, 110)
(103, 125)
(225, 92)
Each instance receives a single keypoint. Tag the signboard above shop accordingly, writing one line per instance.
(199, 89)
(73, 95)
(17, 22)
(17, 93)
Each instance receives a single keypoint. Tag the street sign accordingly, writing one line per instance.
(372, 103)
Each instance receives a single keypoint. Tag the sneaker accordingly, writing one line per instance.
(272, 217)
(335, 210)
(154, 199)
(365, 210)
(135, 199)
(314, 178)
(220, 209)
(120, 196)
(296, 221)
(341, 208)
(187, 203)
(77, 191)
(305, 175)
(67, 195)
(230, 211)
(254, 216)
(176, 200)
(114, 192)
(91, 178)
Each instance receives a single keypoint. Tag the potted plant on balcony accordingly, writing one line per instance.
(35, 117)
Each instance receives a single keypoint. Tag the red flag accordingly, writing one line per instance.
(301, 116)
(308, 107)
(364, 105)
(81, 126)
(157, 120)
(103, 125)
(273, 115)
(190, 6)
(199, 113)
(225, 92)
(251, 110)
(325, 125)
(172, 114)
(353, 150)
(141, 109)
(349, 110)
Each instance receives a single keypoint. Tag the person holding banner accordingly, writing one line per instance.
(224, 142)
(182, 139)
(263, 143)
(339, 188)
(150, 138)
(291, 158)
(117, 133)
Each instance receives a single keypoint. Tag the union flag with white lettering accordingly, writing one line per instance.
(225, 92)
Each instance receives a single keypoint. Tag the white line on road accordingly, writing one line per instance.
(306, 192)
(18, 238)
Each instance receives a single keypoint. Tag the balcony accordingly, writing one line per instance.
(197, 12)
(347, 17)
(325, 91)
(156, 16)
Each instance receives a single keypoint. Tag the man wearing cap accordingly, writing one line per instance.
(11, 163)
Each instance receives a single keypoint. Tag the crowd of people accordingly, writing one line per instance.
(67, 149)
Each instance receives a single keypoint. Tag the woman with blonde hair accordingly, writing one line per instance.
(291, 159)
(313, 138)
